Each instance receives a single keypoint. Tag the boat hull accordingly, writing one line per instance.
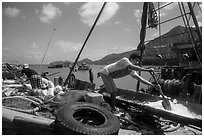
(18, 123)
(139, 100)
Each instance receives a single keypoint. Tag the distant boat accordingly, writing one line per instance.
(83, 66)
(76, 68)
(55, 66)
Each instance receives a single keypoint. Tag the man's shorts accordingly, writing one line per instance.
(109, 83)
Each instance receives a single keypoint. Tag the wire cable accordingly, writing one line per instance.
(47, 46)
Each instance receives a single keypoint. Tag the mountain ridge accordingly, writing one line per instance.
(177, 34)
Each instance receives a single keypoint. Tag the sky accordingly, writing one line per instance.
(43, 32)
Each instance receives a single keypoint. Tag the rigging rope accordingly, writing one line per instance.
(163, 6)
(199, 7)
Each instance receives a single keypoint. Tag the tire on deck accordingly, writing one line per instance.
(84, 118)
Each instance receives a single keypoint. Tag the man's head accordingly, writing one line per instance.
(134, 58)
(25, 66)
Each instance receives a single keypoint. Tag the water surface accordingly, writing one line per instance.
(125, 83)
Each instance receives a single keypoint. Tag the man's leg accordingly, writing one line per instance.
(111, 88)
(113, 99)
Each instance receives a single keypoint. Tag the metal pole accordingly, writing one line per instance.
(193, 39)
(195, 21)
(47, 46)
(72, 68)
(141, 46)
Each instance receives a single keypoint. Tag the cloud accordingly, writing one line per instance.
(199, 14)
(23, 17)
(120, 48)
(48, 13)
(67, 3)
(36, 11)
(117, 22)
(99, 53)
(169, 7)
(127, 29)
(114, 48)
(199, 24)
(89, 11)
(34, 55)
(127, 48)
(155, 35)
(67, 46)
(138, 14)
(165, 10)
(26, 55)
(34, 46)
(11, 12)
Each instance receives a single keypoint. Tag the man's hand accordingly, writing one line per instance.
(158, 87)
(98, 75)
(151, 70)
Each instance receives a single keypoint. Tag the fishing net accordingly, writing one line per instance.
(20, 103)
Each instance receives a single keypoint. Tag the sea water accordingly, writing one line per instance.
(125, 83)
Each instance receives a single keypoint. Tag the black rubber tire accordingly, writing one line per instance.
(66, 122)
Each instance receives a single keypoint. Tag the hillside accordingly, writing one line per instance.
(176, 35)
(87, 61)
(160, 45)
(163, 45)
(112, 58)
(64, 63)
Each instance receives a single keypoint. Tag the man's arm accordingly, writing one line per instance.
(136, 76)
(137, 68)
(127, 63)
